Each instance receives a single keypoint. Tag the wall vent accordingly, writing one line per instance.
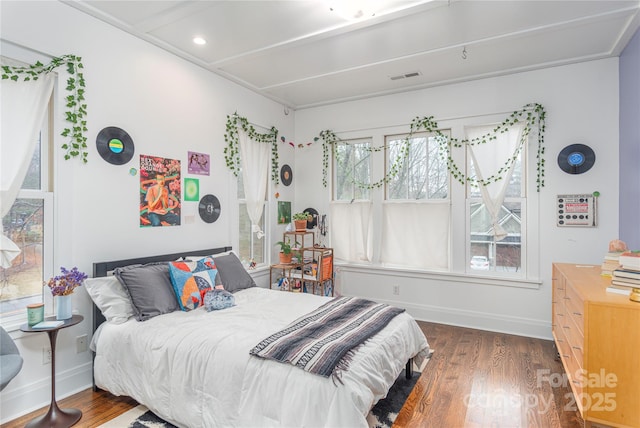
(406, 75)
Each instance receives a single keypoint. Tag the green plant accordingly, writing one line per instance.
(301, 216)
(75, 101)
(532, 115)
(232, 150)
(285, 247)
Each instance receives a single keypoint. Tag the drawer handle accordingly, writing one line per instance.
(577, 313)
(566, 326)
(577, 347)
(564, 355)
(567, 298)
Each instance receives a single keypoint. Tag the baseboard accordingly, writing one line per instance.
(479, 320)
(36, 395)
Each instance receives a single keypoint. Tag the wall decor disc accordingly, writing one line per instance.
(286, 175)
(115, 145)
(576, 159)
(209, 208)
(314, 221)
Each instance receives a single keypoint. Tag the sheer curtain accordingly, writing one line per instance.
(416, 234)
(351, 230)
(22, 113)
(254, 159)
(489, 158)
(22, 109)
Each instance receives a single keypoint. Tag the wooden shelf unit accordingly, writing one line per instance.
(597, 334)
(315, 270)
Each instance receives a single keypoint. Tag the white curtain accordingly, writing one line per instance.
(254, 159)
(488, 159)
(22, 109)
(416, 234)
(21, 116)
(351, 230)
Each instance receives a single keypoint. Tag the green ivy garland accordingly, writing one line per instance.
(232, 150)
(75, 101)
(533, 115)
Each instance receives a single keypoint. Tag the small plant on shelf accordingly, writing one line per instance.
(300, 220)
(285, 252)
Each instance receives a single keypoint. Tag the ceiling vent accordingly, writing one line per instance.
(405, 76)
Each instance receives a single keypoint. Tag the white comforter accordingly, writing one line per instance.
(194, 369)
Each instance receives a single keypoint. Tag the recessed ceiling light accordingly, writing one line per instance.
(199, 41)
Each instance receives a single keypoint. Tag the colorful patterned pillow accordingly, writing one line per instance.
(191, 280)
(217, 299)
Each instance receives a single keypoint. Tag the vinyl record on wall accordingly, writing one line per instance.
(209, 208)
(115, 145)
(286, 175)
(314, 221)
(576, 159)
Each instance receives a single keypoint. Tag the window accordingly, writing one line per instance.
(422, 217)
(29, 225)
(495, 210)
(250, 247)
(352, 166)
(423, 173)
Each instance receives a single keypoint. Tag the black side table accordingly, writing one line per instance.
(55, 417)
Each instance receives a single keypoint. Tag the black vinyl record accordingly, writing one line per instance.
(209, 208)
(314, 221)
(286, 175)
(576, 159)
(115, 145)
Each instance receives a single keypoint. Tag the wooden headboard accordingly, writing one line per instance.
(106, 268)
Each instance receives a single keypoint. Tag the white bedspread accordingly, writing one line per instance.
(194, 369)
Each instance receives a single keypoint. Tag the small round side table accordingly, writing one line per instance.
(55, 417)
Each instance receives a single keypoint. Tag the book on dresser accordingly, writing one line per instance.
(626, 274)
(630, 260)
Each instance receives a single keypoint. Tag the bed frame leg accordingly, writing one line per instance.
(408, 371)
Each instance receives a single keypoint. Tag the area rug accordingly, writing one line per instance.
(381, 416)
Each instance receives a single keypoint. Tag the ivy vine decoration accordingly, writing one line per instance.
(232, 150)
(75, 101)
(532, 115)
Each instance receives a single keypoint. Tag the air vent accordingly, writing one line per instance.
(405, 76)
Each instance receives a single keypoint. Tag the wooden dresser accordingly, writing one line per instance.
(597, 334)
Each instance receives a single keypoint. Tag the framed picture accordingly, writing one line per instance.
(284, 212)
(198, 163)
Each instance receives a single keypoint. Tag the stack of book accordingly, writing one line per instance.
(627, 275)
(611, 262)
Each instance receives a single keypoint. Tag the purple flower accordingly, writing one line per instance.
(64, 284)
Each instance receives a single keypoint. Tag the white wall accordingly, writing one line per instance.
(168, 106)
(581, 102)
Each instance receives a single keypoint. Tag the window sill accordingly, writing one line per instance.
(506, 281)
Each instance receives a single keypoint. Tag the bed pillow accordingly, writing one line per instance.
(191, 280)
(149, 287)
(110, 297)
(218, 298)
(232, 274)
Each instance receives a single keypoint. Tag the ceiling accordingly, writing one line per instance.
(302, 53)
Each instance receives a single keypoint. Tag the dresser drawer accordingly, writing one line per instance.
(574, 308)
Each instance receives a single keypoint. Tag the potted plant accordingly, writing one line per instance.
(285, 252)
(300, 221)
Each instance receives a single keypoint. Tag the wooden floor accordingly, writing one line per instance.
(475, 378)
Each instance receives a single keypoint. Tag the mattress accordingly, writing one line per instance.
(193, 368)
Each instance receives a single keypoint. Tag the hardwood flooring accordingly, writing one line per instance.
(475, 379)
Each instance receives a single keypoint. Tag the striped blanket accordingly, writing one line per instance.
(321, 342)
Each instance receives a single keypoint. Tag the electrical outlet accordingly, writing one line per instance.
(396, 290)
(81, 344)
(46, 356)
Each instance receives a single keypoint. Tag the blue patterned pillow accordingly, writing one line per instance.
(191, 280)
(218, 299)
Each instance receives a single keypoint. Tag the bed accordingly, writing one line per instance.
(194, 368)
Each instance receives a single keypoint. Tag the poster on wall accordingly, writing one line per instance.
(284, 212)
(198, 163)
(160, 191)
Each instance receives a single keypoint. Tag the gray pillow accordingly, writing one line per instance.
(150, 289)
(232, 274)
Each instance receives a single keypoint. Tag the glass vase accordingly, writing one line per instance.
(63, 307)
